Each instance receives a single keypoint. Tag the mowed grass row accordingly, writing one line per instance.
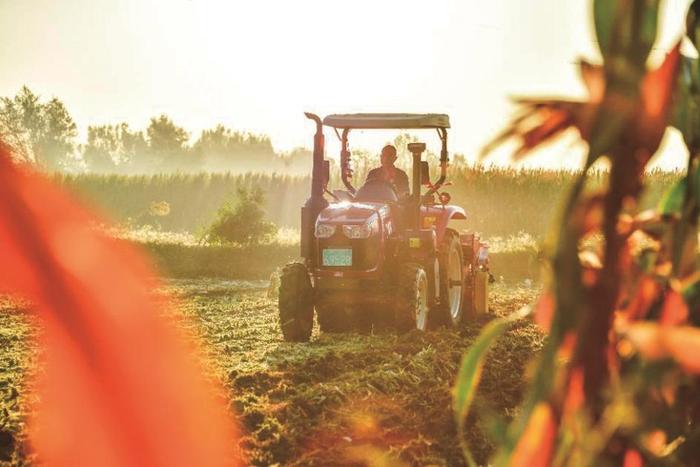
(498, 201)
(342, 399)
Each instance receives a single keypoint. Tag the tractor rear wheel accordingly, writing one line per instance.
(411, 309)
(296, 303)
(451, 311)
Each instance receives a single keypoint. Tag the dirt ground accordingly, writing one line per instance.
(341, 399)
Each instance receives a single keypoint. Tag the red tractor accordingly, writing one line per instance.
(373, 259)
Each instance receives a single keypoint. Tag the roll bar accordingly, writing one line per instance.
(345, 169)
(376, 121)
(442, 132)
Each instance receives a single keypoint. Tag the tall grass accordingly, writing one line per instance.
(498, 201)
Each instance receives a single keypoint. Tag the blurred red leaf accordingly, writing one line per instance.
(594, 79)
(544, 311)
(120, 386)
(575, 396)
(654, 341)
(551, 117)
(648, 290)
(657, 89)
(632, 459)
(567, 346)
(536, 445)
(675, 310)
(645, 338)
(683, 344)
(655, 442)
(554, 121)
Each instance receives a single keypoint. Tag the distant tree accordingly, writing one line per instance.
(242, 222)
(221, 148)
(43, 132)
(112, 148)
(167, 144)
(13, 130)
(58, 143)
(213, 144)
(166, 137)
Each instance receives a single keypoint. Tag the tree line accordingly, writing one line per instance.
(42, 132)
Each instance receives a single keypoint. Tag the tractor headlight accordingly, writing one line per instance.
(325, 230)
(357, 231)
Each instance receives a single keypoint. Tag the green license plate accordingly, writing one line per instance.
(337, 257)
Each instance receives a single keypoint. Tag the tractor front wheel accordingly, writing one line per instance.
(296, 303)
(411, 309)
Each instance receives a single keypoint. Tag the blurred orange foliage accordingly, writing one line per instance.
(119, 385)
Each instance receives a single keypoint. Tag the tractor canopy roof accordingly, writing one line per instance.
(371, 121)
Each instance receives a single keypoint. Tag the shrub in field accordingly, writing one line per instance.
(617, 380)
(242, 222)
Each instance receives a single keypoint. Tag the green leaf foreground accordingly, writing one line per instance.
(469, 374)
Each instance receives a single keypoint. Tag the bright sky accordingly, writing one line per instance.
(257, 65)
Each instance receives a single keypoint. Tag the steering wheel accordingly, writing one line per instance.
(381, 181)
(367, 189)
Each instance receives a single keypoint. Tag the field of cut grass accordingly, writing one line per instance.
(342, 399)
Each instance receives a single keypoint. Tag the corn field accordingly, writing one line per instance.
(499, 201)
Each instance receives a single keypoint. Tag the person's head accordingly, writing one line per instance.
(388, 156)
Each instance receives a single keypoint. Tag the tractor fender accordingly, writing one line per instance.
(439, 217)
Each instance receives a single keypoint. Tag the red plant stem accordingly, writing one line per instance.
(625, 182)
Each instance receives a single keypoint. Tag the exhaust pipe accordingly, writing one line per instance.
(416, 150)
(443, 163)
(316, 202)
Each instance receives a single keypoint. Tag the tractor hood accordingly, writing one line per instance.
(351, 212)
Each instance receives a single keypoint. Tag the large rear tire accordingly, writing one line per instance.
(296, 303)
(451, 310)
(411, 309)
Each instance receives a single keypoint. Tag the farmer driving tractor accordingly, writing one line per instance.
(389, 172)
(388, 253)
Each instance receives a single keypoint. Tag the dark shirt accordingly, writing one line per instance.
(399, 180)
